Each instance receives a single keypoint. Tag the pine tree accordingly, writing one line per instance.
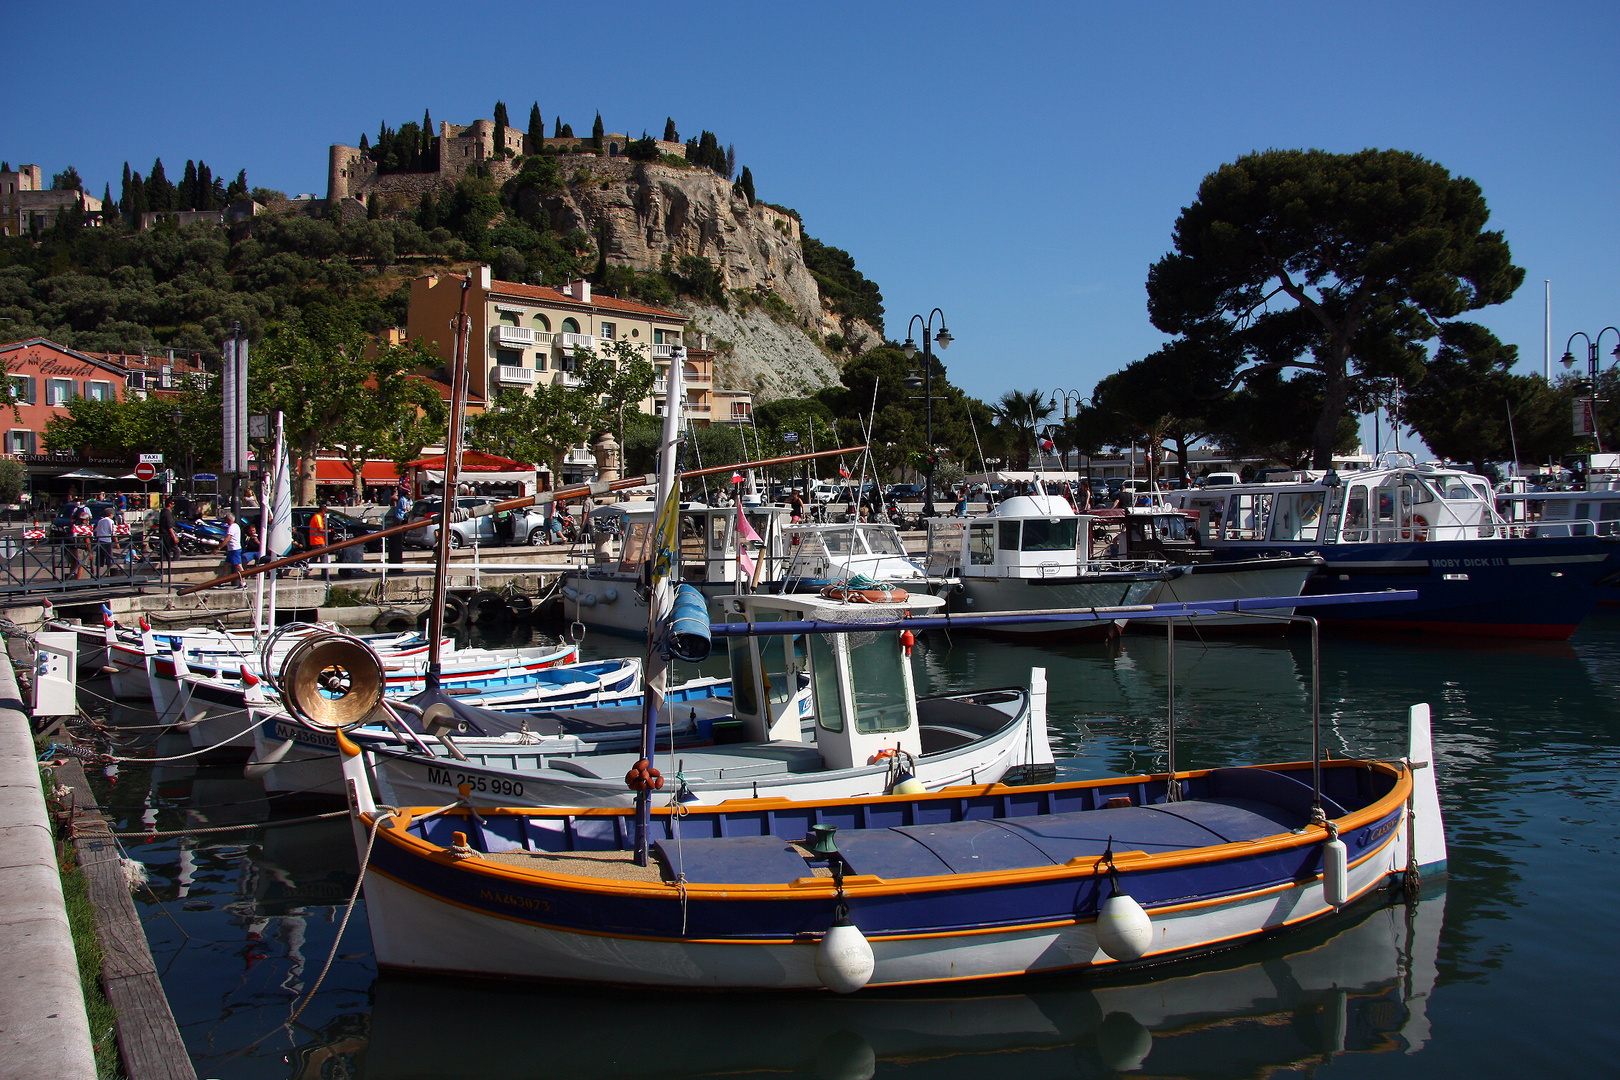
(670, 134)
(159, 192)
(731, 162)
(537, 129)
(597, 131)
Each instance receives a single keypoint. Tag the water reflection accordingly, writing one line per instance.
(1359, 987)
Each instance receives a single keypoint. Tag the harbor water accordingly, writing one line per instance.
(1501, 969)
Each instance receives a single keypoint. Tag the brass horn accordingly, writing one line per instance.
(331, 681)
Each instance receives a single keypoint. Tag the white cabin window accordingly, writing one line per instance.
(875, 672)
(1297, 515)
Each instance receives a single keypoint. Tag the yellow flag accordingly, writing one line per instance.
(666, 536)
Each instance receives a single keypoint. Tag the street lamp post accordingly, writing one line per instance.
(184, 448)
(926, 384)
(1067, 397)
(1591, 371)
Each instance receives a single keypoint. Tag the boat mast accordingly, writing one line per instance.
(666, 562)
(452, 473)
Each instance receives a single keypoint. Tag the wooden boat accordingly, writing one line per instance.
(975, 882)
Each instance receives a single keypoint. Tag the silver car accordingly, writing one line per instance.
(528, 526)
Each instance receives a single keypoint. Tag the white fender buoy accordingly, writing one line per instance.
(570, 592)
(844, 961)
(1335, 872)
(910, 786)
(588, 600)
(1124, 930)
(609, 595)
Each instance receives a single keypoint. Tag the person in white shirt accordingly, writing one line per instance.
(233, 548)
(103, 532)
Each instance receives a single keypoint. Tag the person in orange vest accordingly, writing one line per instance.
(317, 538)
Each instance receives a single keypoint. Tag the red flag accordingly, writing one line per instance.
(843, 473)
(736, 478)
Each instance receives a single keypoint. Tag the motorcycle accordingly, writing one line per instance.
(199, 537)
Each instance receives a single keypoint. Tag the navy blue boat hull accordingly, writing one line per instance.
(1517, 588)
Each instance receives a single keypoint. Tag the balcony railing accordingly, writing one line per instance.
(568, 378)
(662, 351)
(697, 378)
(660, 386)
(506, 373)
(513, 335)
(572, 341)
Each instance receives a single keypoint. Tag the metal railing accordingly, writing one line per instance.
(55, 565)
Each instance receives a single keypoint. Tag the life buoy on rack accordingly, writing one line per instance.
(889, 595)
(1420, 527)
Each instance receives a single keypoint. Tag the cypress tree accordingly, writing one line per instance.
(556, 132)
(745, 185)
(731, 162)
(238, 188)
(123, 199)
(568, 131)
(159, 192)
(430, 159)
(597, 131)
(107, 205)
(138, 203)
(205, 187)
(186, 197)
(670, 134)
(537, 129)
(427, 214)
(373, 211)
(500, 129)
(365, 147)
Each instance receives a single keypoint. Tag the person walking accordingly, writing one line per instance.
(102, 530)
(233, 548)
(166, 534)
(394, 546)
(317, 539)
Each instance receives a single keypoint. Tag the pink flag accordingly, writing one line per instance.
(745, 535)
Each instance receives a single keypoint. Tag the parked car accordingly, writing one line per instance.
(905, 493)
(528, 526)
(60, 526)
(339, 526)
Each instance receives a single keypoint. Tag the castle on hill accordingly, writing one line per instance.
(351, 174)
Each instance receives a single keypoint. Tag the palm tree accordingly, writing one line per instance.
(1020, 414)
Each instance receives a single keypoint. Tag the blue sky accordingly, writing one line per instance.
(1018, 166)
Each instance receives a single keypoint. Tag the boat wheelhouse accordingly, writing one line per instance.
(1409, 526)
(603, 589)
(1034, 553)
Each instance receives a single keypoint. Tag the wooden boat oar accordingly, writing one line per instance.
(566, 494)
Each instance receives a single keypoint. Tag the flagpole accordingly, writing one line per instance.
(264, 529)
(279, 479)
(666, 562)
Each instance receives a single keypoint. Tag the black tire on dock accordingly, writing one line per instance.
(521, 607)
(393, 619)
(488, 608)
(455, 614)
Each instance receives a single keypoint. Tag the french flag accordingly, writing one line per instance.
(843, 473)
(1048, 444)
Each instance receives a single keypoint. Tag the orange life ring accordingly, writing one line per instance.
(865, 596)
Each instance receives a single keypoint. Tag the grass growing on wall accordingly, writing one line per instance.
(81, 917)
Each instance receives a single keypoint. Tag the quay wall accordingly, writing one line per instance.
(44, 1030)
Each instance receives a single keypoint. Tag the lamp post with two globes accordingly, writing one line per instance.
(925, 383)
(1591, 374)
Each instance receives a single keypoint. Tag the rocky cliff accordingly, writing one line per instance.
(641, 212)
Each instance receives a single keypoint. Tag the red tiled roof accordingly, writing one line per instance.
(553, 296)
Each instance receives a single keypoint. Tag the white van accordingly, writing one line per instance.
(1217, 479)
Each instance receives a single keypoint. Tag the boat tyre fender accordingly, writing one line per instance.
(488, 607)
(455, 614)
(393, 619)
(521, 607)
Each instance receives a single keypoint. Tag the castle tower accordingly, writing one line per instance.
(341, 169)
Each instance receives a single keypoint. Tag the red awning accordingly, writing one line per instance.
(473, 461)
(328, 471)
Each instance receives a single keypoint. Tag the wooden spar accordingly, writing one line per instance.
(567, 494)
(452, 471)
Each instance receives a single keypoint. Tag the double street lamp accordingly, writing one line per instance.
(925, 383)
(1067, 397)
(1591, 371)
